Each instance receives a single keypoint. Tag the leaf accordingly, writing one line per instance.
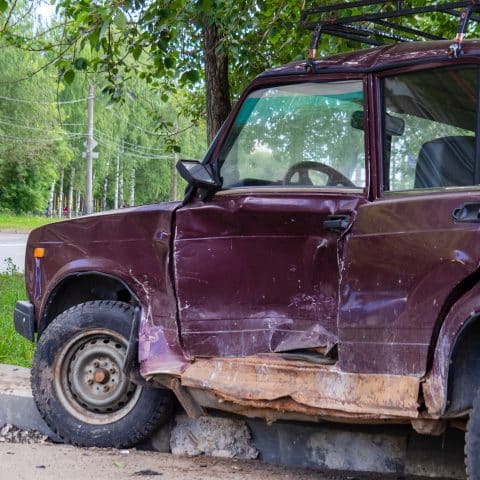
(119, 464)
(190, 76)
(120, 20)
(136, 52)
(3, 5)
(103, 29)
(93, 38)
(69, 76)
(80, 63)
(169, 62)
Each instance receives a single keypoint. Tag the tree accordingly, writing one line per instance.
(33, 147)
(170, 42)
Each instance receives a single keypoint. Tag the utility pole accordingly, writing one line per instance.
(174, 176)
(89, 152)
(174, 167)
(117, 180)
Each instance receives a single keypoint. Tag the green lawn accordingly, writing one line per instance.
(14, 349)
(22, 223)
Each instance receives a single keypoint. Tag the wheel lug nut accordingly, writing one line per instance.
(112, 370)
(106, 388)
(90, 381)
(96, 364)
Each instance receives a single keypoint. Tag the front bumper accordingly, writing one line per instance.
(23, 319)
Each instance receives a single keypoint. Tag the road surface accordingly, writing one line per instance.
(49, 461)
(12, 245)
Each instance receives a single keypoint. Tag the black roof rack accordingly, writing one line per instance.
(380, 27)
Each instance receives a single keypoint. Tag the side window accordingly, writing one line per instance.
(429, 123)
(303, 134)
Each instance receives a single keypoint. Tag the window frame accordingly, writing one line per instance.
(379, 130)
(262, 83)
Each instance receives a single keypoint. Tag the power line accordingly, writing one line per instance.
(125, 142)
(132, 153)
(27, 127)
(103, 138)
(37, 141)
(38, 102)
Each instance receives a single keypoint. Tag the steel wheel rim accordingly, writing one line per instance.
(89, 380)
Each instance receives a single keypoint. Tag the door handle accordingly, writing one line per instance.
(337, 223)
(468, 212)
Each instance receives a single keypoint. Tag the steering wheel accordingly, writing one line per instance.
(335, 178)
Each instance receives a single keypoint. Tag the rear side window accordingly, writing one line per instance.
(429, 125)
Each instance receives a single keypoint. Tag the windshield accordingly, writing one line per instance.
(301, 134)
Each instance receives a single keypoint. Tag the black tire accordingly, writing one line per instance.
(472, 441)
(74, 369)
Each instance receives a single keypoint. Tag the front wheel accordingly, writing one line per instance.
(78, 383)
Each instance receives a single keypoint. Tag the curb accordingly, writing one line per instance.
(17, 406)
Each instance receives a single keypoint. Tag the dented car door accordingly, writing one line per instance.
(257, 264)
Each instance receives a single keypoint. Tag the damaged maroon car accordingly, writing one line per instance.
(324, 264)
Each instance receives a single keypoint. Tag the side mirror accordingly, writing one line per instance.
(198, 176)
(393, 125)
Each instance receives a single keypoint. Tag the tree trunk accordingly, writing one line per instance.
(50, 200)
(105, 187)
(216, 78)
(60, 193)
(174, 177)
(77, 204)
(121, 198)
(89, 153)
(131, 201)
(70, 193)
(117, 181)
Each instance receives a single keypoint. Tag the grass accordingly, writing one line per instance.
(22, 223)
(14, 349)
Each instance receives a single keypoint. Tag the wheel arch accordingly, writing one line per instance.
(80, 287)
(464, 367)
(449, 386)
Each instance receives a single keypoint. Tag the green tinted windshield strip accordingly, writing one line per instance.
(264, 105)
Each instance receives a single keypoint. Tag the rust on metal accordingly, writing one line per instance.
(101, 376)
(302, 387)
(428, 426)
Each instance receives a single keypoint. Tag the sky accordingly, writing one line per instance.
(46, 10)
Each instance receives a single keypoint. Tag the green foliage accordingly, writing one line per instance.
(147, 61)
(30, 155)
(14, 349)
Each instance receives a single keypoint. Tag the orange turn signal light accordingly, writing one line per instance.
(39, 252)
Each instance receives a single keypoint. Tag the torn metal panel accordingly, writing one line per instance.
(287, 409)
(300, 385)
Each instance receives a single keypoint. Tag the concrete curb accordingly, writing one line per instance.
(386, 449)
(16, 402)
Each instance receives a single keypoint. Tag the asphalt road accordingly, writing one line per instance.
(12, 245)
(48, 462)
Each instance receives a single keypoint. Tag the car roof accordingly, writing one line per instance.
(379, 58)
